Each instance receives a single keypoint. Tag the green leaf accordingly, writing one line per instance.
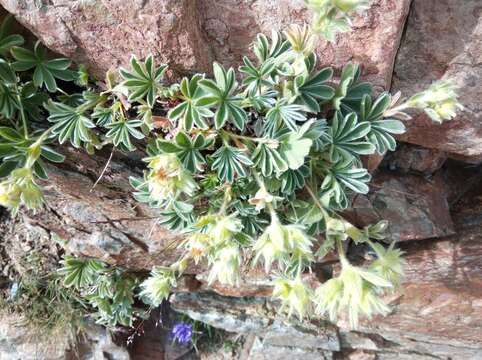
(220, 94)
(143, 80)
(285, 114)
(69, 124)
(310, 92)
(79, 273)
(341, 176)
(45, 70)
(10, 134)
(8, 101)
(268, 160)
(52, 155)
(120, 133)
(6, 72)
(229, 162)
(347, 137)
(294, 148)
(191, 112)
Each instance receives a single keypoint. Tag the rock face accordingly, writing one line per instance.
(189, 35)
(451, 48)
(104, 34)
(415, 207)
(439, 313)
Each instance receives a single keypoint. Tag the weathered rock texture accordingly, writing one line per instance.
(439, 313)
(444, 39)
(189, 35)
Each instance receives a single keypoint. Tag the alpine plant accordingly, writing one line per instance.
(254, 167)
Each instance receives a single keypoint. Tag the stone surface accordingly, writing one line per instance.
(188, 35)
(22, 343)
(415, 207)
(104, 34)
(18, 343)
(263, 351)
(232, 25)
(443, 39)
(413, 158)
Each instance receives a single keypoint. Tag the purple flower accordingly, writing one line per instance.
(182, 333)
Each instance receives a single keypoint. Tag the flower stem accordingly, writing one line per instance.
(22, 112)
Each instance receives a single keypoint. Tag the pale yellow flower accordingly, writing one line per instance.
(225, 267)
(167, 177)
(439, 101)
(294, 295)
(20, 189)
(158, 285)
(355, 291)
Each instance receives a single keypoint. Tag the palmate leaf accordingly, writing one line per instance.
(188, 112)
(45, 70)
(178, 216)
(187, 150)
(268, 160)
(229, 162)
(347, 137)
(7, 41)
(285, 114)
(121, 131)
(341, 176)
(8, 101)
(80, 273)
(69, 124)
(264, 51)
(143, 80)
(292, 180)
(311, 91)
(220, 94)
(257, 77)
(349, 91)
(103, 116)
(380, 129)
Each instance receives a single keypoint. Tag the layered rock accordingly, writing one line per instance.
(189, 35)
(443, 39)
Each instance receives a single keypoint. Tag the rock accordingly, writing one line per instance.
(104, 34)
(262, 351)
(20, 343)
(416, 159)
(188, 35)
(373, 41)
(415, 207)
(443, 40)
(241, 315)
(284, 334)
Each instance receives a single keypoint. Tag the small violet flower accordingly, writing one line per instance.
(182, 333)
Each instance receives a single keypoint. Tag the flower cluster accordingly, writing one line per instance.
(166, 178)
(439, 101)
(20, 189)
(158, 285)
(182, 333)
